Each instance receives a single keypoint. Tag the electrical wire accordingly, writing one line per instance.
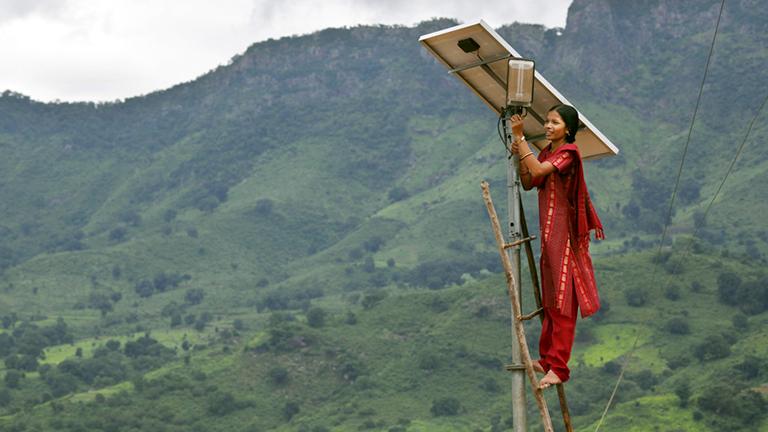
(501, 136)
(722, 183)
(669, 212)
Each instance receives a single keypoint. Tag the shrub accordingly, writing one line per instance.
(678, 326)
(264, 207)
(398, 193)
(672, 292)
(490, 385)
(683, 392)
(712, 348)
(447, 406)
(429, 362)
(751, 367)
(12, 379)
(351, 318)
(118, 234)
(371, 300)
(194, 296)
(740, 321)
(636, 297)
(290, 409)
(728, 284)
(278, 375)
(373, 244)
(221, 404)
(316, 317)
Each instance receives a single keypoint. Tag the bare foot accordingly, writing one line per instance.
(549, 379)
(538, 367)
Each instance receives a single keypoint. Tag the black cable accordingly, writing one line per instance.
(690, 131)
(502, 137)
(671, 206)
(722, 183)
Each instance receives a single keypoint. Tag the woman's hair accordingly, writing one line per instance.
(571, 118)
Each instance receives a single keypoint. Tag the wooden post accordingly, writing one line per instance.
(515, 299)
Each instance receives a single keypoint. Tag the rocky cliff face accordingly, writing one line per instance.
(651, 54)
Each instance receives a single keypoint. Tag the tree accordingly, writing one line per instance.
(728, 284)
(397, 193)
(5, 397)
(368, 265)
(371, 300)
(169, 215)
(7, 343)
(61, 383)
(278, 375)
(221, 403)
(175, 320)
(712, 348)
(672, 292)
(263, 207)
(351, 318)
(290, 409)
(751, 367)
(316, 317)
(446, 406)
(144, 288)
(678, 326)
(12, 378)
(118, 234)
(740, 321)
(373, 244)
(194, 296)
(683, 392)
(636, 296)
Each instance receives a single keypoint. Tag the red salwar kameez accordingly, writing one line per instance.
(566, 216)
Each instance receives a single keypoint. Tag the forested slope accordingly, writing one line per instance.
(296, 239)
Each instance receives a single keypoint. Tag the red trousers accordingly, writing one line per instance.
(556, 342)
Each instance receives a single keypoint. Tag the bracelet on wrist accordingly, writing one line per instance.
(525, 156)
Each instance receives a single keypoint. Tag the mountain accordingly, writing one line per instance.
(296, 240)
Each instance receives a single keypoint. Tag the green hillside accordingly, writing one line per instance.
(296, 240)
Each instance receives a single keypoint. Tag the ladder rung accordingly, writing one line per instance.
(519, 242)
(530, 315)
(515, 367)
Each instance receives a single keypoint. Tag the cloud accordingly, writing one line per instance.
(15, 9)
(104, 50)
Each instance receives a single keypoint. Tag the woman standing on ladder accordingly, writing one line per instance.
(566, 217)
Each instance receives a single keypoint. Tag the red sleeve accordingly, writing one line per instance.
(561, 160)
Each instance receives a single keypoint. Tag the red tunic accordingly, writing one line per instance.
(566, 216)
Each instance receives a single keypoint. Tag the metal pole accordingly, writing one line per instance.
(519, 405)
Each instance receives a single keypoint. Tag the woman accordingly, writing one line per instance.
(566, 216)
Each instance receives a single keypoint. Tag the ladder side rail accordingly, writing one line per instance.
(518, 324)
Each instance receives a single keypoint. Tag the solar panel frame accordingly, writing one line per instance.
(494, 52)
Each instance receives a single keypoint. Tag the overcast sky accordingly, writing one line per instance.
(102, 50)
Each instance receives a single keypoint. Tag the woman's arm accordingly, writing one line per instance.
(529, 167)
(529, 163)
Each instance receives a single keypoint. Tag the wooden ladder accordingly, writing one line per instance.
(516, 306)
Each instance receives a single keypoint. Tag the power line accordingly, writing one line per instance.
(722, 183)
(671, 206)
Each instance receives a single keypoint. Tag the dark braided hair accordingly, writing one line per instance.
(571, 119)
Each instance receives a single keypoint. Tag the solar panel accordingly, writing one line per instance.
(484, 71)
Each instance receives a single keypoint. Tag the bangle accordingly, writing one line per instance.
(526, 155)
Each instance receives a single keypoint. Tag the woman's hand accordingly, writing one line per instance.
(517, 126)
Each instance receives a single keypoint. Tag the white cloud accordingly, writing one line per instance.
(104, 50)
